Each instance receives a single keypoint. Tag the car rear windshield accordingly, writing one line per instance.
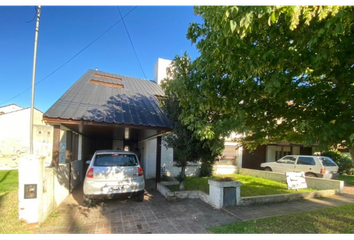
(119, 160)
(327, 162)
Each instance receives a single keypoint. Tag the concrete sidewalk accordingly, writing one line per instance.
(157, 215)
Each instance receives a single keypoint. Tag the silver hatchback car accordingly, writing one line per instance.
(112, 174)
(312, 166)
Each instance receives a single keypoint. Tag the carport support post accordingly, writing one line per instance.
(56, 146)
(158, 160)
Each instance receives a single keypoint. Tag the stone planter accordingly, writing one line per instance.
(224, 192)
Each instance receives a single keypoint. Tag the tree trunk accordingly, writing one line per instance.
(183, 177)
(351, 151)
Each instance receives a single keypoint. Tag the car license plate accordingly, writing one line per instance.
(120, 176)
(119, 187)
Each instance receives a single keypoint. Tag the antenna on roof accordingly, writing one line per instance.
(96, 69)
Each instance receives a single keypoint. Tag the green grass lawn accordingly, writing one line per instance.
(330, 220)
(9, 221)
(8, 181)
(251, 186)
(349, 180)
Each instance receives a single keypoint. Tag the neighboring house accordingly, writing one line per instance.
(15, 135)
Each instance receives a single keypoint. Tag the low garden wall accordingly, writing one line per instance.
(315, 183)
(326, 188)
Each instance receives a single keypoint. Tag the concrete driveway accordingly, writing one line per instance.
(157, 215)
(154, 215)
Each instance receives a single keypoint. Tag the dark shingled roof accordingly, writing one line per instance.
(110, 98)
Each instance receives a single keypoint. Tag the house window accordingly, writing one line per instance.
(280, 154)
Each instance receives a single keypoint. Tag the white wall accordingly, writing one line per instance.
(10, 108)
(239, 157)
(167, 160)
(160, 69)
(15, 134)
(272, 149)
(148, 158)
(147, 150)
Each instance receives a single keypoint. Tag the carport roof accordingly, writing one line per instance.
(106, 98)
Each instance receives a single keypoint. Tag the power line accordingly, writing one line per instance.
(73, 56)
(35, 14)
(131, 42)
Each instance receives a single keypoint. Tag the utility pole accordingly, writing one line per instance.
(34, 78)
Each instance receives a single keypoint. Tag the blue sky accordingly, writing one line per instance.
(64, 31)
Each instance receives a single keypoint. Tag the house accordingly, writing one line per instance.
(109, 111)
(103, 110)
(15, 135)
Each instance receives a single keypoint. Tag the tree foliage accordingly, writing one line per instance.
(186, 145)
(274, 73)
(343, 161)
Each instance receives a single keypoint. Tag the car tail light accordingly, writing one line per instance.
(90, 173)
(323, 171)
(140, 171)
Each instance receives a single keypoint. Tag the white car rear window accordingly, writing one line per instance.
(120, 160)
(327, 162)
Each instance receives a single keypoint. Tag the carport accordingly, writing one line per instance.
(107, 111)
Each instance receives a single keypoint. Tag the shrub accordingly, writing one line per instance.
(206, 169)
(344, 162)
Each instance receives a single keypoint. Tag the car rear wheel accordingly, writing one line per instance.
(310, 175)
(268, 169)
(87, 201)
(140, 196)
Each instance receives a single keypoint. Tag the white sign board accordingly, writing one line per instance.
(296, 180)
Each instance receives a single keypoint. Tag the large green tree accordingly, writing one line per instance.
(273, 73)
(187, 147)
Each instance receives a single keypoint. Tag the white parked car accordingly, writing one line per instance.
(112, 174)
(312, 166)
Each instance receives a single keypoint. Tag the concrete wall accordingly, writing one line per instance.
(147, 148)
(170, 169)
(61, 182)
(77, 173)
(148, 158)
(315, 183)
(245, 201)
(47, 205)
(53, 187)
(172, 196)
(15, 134)
(224, 169)
(215, 196)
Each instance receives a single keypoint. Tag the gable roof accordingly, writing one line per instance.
(110, 98)
(9, 108)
